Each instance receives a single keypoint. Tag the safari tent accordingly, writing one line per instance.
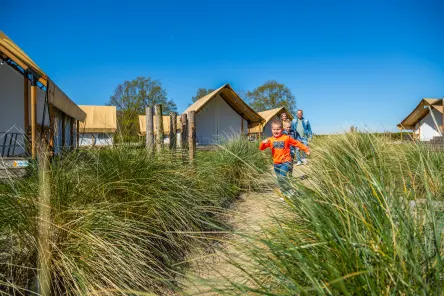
(426, 120)
(222, 114)
(34, 109)
(99, 127)
(264, 129)
(166, 127)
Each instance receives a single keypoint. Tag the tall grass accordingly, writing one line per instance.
(120, 218)
(369, 222)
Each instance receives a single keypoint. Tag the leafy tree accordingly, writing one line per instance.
(132, 97)
(201, 92)
(270, 95)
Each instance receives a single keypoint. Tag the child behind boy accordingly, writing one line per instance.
(286, 131)
(280, 149)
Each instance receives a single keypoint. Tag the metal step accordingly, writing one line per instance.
(437, 140)
(11, 167)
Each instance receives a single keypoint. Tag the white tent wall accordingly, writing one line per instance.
(96, 139)
(428, 129)
(85, 139)
(104, 139)
(217, 121)
(12, 102)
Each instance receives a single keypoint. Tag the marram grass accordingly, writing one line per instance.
(368, 222)
(121, 219)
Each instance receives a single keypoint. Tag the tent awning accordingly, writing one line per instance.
(420, 112)
(56, 97)
(99, 119)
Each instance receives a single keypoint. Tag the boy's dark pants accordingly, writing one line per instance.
(281, 170)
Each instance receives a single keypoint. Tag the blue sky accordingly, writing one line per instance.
(366, 63)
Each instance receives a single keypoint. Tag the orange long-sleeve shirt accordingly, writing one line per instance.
(280, 147)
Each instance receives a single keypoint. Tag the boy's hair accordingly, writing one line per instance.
(286, 124)
(277, 122)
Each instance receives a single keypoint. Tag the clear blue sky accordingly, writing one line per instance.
(346, 62)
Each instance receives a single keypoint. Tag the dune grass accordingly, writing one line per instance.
(368, 222)
(121, 219)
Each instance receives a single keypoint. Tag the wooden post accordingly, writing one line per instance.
(77, 134)
(173, 130)
(419, 131)
(159, 126)
(33, 117)
(71, 131)
(183, 131)
(149, 141)
(26, 102)
(442, 117)
(44, 222)
(242, 127)
(63, 131)
(261, 127)
(191, 134)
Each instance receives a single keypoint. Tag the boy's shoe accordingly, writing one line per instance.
(298, 163)
(281, 198)
(304, 161)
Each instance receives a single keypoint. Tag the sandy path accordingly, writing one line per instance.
(254, 210)
(251, 212)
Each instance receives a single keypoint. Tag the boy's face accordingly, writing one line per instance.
(276, 130)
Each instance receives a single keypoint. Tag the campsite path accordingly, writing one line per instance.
(253, 211)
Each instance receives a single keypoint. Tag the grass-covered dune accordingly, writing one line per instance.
(368, 221)
(120, 219)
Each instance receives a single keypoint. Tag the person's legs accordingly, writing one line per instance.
(302, 154)
(281, 171)
(298, 157)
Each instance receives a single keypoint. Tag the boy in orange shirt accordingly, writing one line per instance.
(280, 149)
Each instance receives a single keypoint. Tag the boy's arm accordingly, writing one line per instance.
(299, 145)
(264, 144)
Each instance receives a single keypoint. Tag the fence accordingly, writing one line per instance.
(154, 140)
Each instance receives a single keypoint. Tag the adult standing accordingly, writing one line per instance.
(284, 117)
(301, 130)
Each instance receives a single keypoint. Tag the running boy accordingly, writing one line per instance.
(280, 149)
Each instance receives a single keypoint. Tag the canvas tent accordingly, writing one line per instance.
(426, 120)
(99, 126)
(264, 128)
(222, 114)
(34, 108)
